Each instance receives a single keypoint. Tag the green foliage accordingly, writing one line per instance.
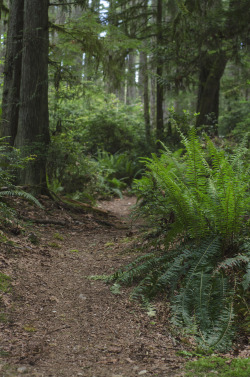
(96, 120)
(235, 121)
(116, 289)
(206, 192)
(20, 194)
(177, 121)
(10, 161)
(200, 203)
(82, 161)
(69, 168)
(114, 131)
(116, 172)
(86, 177)
(213, 366)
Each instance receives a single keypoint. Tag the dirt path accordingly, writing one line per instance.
(60, 323)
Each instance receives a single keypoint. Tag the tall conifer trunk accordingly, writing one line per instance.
(25, 97)
(12, 72)
(33, 122)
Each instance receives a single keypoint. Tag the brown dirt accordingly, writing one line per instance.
(56, 322)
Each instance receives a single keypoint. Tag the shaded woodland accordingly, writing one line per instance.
(148, 98)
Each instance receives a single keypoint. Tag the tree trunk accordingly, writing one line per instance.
(3, 30)
(145, 92)
(153, 96)
(211, 71)
(159, 72)
(12, 72)
(131, 88)
(144, 79)
(33, 123)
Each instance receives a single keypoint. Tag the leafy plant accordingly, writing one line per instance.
(200, 203)
(10, 161)
(116, 172)
(89, 134)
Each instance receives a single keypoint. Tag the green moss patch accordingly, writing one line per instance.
(218, 366)
(4, 282)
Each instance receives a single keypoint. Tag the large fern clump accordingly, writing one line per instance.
(198, 199)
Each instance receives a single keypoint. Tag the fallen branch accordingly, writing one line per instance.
(85, 207)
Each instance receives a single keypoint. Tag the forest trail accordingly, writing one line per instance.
(59, 322)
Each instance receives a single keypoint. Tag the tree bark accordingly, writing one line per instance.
(211, 71)
(33, 122)
(144, 79)
(131, 86)
(152, 95)
(12, 72)
(145, 92)
(159, 72)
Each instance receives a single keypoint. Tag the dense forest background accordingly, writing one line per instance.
(99, 97)
(113, 77)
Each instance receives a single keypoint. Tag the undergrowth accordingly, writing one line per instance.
(217, 366)
(10, 161)
(198, 199)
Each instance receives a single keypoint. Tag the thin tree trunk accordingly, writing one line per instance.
(33, 124)
(159, 72)
(12, 72)
(131, 89)
(144, 79)
(152, 67)
(153, 97)
(145, 92)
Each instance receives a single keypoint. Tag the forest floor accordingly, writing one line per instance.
(57, 322)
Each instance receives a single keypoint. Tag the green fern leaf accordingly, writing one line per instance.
(21, 194)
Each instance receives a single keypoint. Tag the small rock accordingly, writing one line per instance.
(22, 369)
(82, 297)
(142, 372)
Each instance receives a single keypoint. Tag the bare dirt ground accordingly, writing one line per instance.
(56, 321)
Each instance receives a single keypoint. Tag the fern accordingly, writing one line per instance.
(200, 202)
(21, 194)
(232, 263)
